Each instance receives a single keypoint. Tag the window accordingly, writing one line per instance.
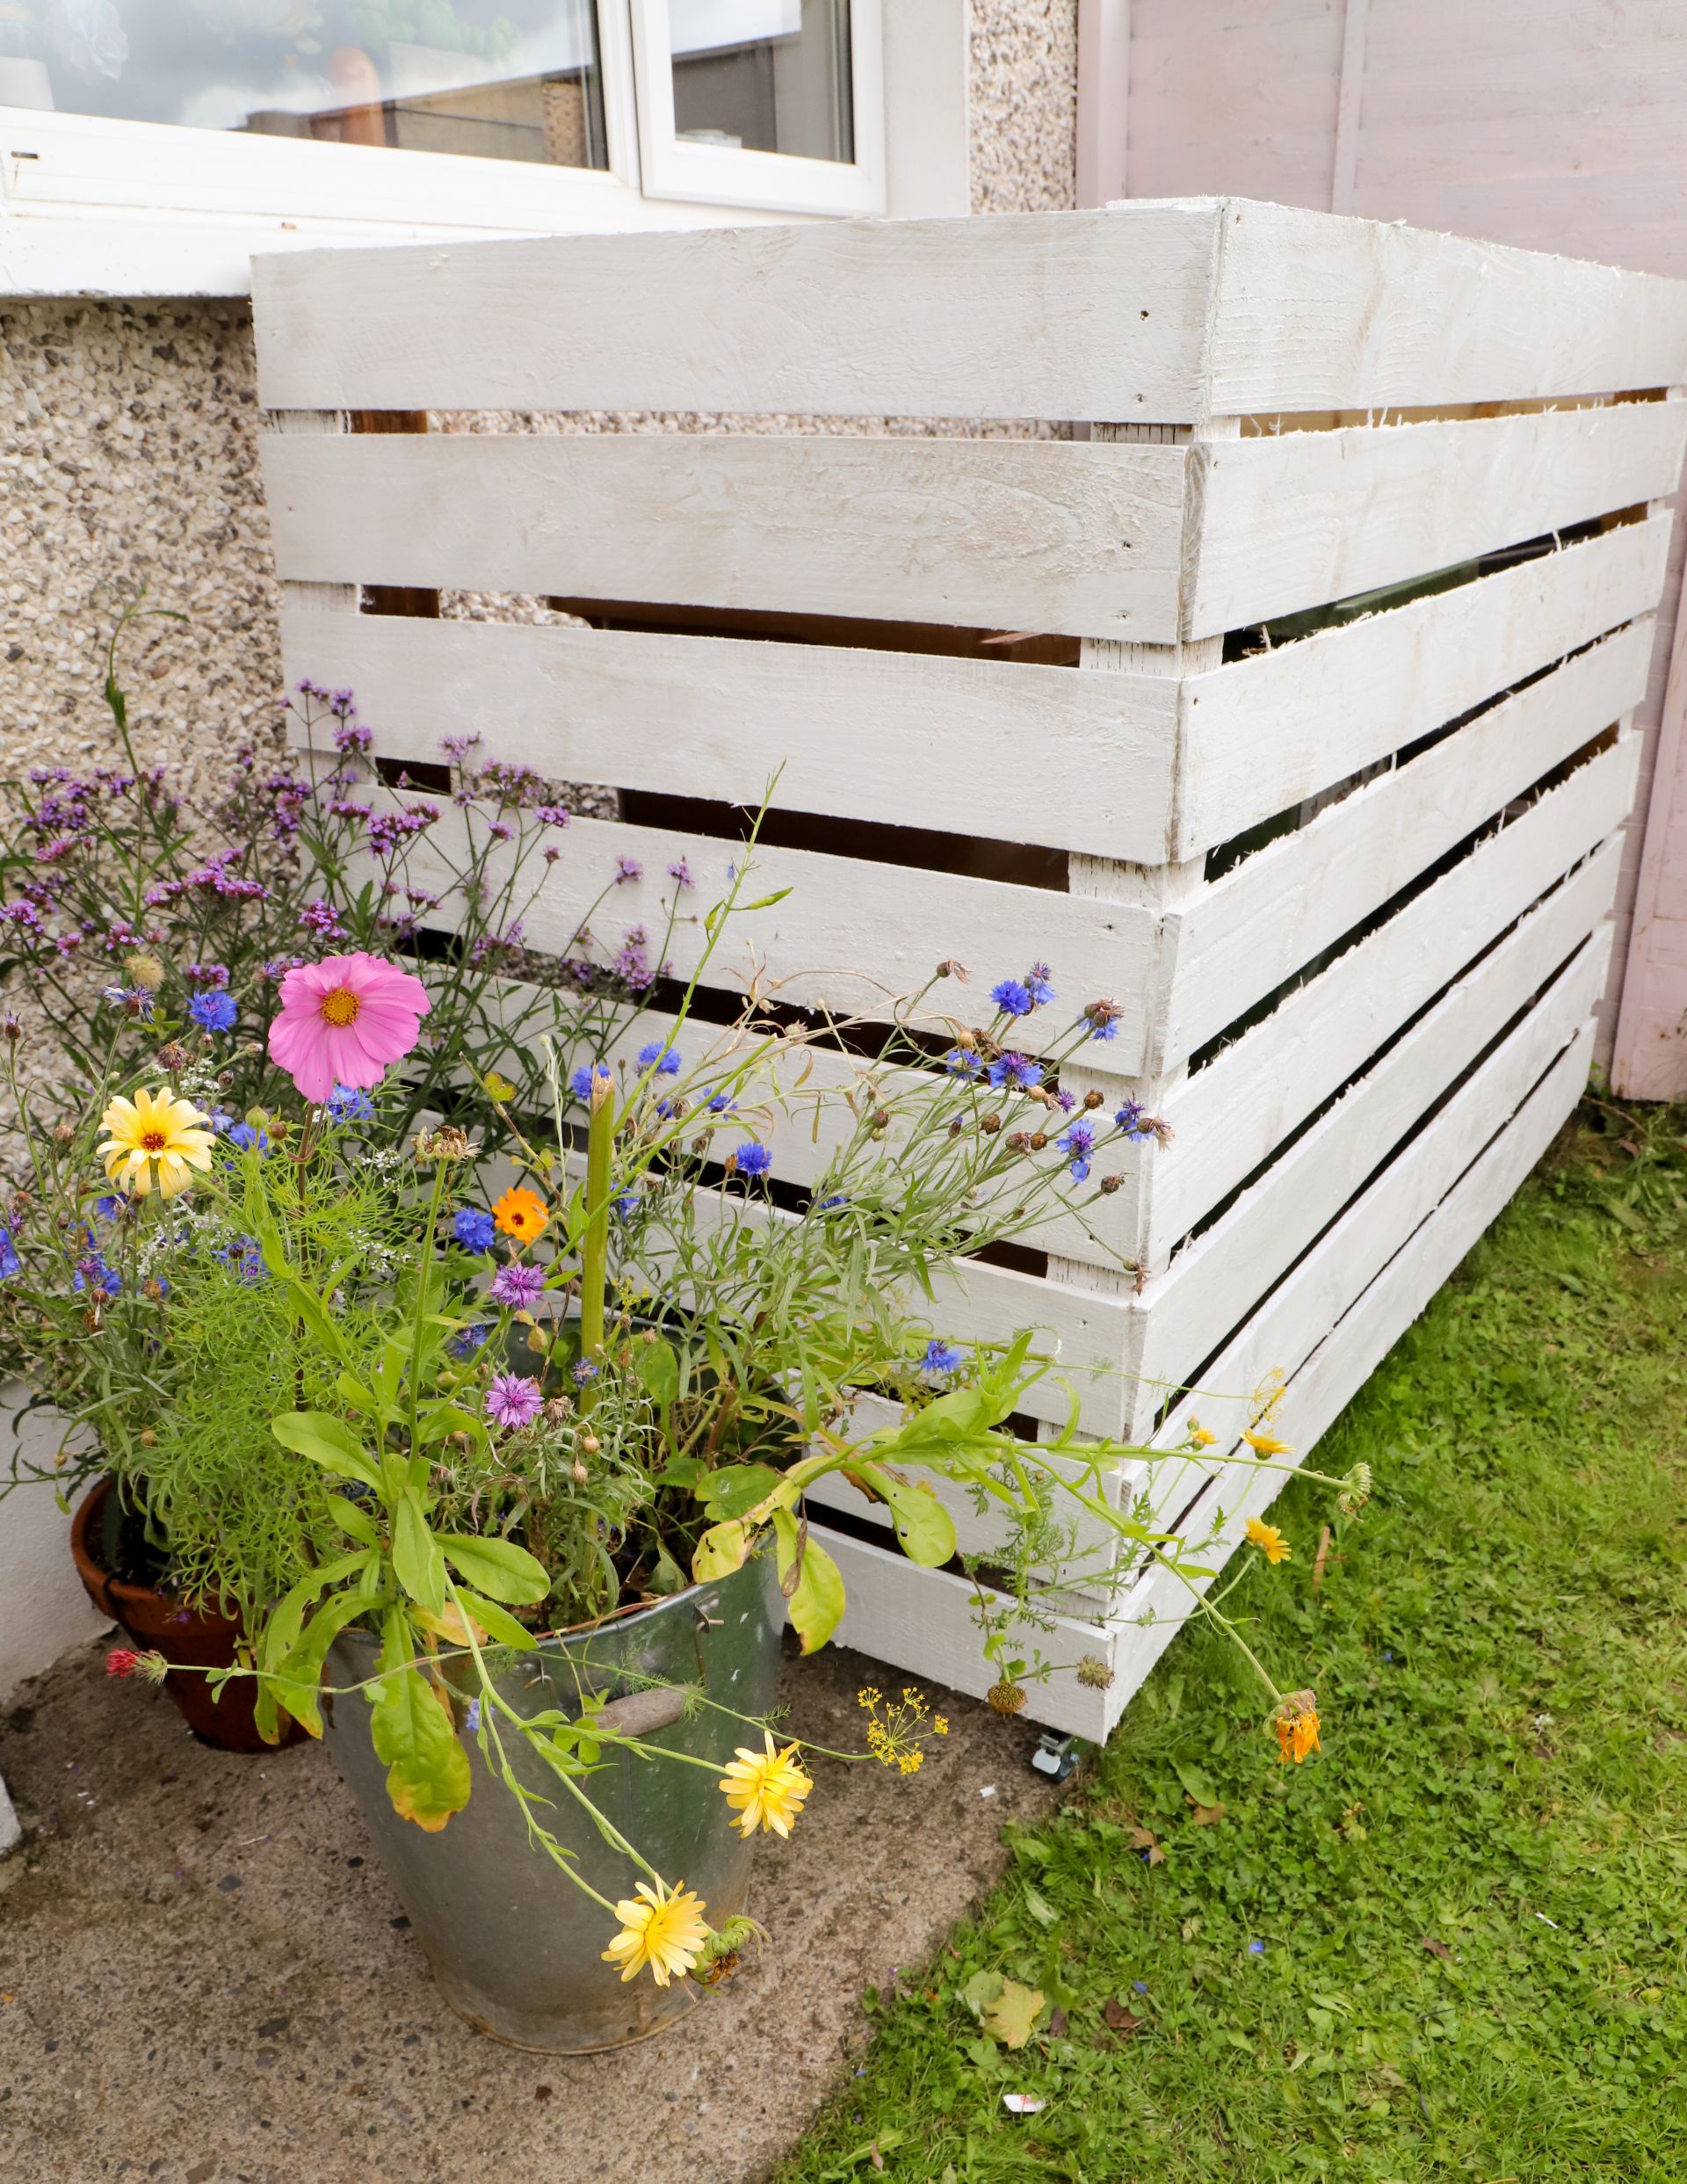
(763, 102)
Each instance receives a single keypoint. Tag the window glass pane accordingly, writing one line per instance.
(763, 75)
(499, 79)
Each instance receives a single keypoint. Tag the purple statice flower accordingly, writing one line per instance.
(473, 1230)
(10, 1262)
(68, 943)
(513, 1400)
(213, 1012)
(1036, 985)
(627, 869)
(753, 1159)
(520, 1287)
(661, 1059)
(467, 1340)
(346, 1103)
(1013, 997)
(1014, 1071)
(214, 976)
(1077, 1144)
(1101, 1017)
(322, 920)
(501, 830)
(960, 1062)
(940, 1358)
(632, 960)
(580, 1082)
(349, 738)
(552, 815)
(680, 873)
(581, 1371)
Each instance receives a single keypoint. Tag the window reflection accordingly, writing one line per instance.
(497, 79)
(763, 75)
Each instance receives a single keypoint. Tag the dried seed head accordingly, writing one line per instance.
(1005, 1698)
(1038, 1139)
(1092, 1100)
(172, 1057)
(1094, 1673)
(990, 1124)
(145, 970)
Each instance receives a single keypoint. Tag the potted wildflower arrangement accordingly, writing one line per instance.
(146, 934)
(532, 1507)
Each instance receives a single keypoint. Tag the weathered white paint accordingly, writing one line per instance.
(46, 1610)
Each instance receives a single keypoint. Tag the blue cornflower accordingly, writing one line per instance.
(111, 1208)
(474, 1230)
(347, 1103)
(92, 1272)
(626, 1205)
(580, 1083)
(10, 1262)
(471, 1719)
(940, 1358)
(1015, 1070)
(1064, 1100)
(960, 1062)
(244, 1258)
(583, 1371)
(668, 1108)
(1077, 1144)
(723, 1103)
(248, 1138)
(662, 1059)
(466, 1340)
(753, 1159)
(838, 1198)
(1038, 986)
(1013, 997)
(1101, 1018)
(1255, 1949)
(213, 1012)
(1129, 1118)
(1141, 1985)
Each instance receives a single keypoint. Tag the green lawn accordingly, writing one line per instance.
(1473, 1908)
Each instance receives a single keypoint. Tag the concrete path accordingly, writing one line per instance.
(205, 1977)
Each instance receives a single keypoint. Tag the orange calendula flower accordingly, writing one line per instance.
(1270, 1541)
(1267, 1444)
(666, 1931)
(1296, 1724)
(521, 1213)
(765, 1788)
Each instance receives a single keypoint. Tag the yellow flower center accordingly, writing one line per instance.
(340, 1008)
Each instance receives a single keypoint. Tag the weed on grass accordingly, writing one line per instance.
(1452, 1947)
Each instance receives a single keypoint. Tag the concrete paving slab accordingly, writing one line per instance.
(205, 1977)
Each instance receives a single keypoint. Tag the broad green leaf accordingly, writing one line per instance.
(720, 1550)
(298, 1681)
(445, 1417)
(498, 1568)
(417, 1563)
(497, 1622)
(357, 1396)
(810, 1580)
(1012, 2017)
(353, 1518)
(327, 1440)
(658, 1370)
(427, 1768)
(924, 1527)
(736, 1488)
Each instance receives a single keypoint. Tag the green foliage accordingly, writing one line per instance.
(1472, 1907)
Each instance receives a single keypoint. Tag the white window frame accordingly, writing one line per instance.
(90, 206)
(715, 174)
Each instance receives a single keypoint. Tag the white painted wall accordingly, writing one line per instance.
(43, 1608)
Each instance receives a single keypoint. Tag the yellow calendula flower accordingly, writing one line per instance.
(1270, 1541)
(1296, 1724)
(666, 1930)
(1199, 1437)
(765, 1788)
(153, 1131)
(1267, 1444)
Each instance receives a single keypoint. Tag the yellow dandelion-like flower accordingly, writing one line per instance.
(1270, 1541)
(521, 1213)
(765, 1788)
(154, 1138)
(1199, 1437)
(666, 1931)
(1267, 1444)
(1296, 1724)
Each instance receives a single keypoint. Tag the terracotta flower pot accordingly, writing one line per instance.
(188, 1636)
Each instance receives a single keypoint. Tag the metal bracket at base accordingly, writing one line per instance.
(1056, 1756)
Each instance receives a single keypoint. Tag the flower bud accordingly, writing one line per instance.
(172, 1057)
(62, 1133)
(1038, 1139)
(590, 1443)
(1092, 1100)
(989, 1124)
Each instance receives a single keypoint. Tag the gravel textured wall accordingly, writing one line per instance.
(1024, 99)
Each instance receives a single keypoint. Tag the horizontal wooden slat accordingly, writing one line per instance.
(1301, 518)
(1316, 311)
(1079, 315)
(1102, 316)
(851, 933)
(1230, 1115)
(1263, 733)
(1026, 753)
(1082, 540)
(1240, 939)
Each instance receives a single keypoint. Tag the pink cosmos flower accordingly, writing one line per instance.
(342, 1020)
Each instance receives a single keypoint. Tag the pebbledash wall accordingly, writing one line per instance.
(128, 458)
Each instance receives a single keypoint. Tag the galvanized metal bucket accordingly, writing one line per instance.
(516, 1947)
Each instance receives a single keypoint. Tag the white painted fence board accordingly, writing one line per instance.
(1278, 909)
(1075, 539)
(1089, 757)
(1316, 312)
(1023, 315)
(1261, 734)
(1296, 519)
(1230, 1114)
(1327, 1383)
(1101, 315)
(1187, 1313)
